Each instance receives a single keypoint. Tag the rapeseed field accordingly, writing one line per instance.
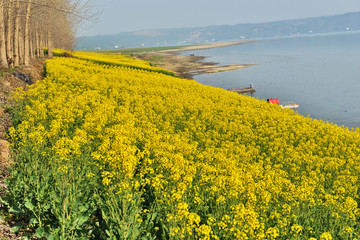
(104, 150)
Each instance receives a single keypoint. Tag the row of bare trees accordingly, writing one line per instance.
(29, 26)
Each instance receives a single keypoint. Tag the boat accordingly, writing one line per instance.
(243, 90)
(290, 105)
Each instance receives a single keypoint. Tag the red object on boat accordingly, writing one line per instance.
(273, 100)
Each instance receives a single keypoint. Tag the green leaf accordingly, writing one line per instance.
(76, 204)
(135, 233)
(25, 237)
(153, 217)
(53, 237)
(47, 206)
(29, 205)
(40, 232)
(15, 229)
(3, 201)
(34, 221)
(83, 219)
(16, 210)
(83, 208)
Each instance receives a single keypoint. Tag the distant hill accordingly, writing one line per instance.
(178, 36)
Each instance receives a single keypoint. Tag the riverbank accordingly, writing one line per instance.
(187, 66)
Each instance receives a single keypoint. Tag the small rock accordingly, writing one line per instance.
(24, 77)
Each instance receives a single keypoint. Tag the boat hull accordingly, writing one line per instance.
(290, 106)
(243, 90)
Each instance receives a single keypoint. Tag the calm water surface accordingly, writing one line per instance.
(321, 73)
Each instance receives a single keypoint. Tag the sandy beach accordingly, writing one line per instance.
(189, 66)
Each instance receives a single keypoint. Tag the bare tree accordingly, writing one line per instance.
(9, 32)
(27, 34)
(27, 26)
(3, 60)
(16, 48)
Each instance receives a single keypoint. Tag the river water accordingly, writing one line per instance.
(320, 73)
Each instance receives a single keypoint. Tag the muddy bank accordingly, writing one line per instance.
(189, 66)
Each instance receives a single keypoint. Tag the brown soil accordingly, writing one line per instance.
(189, 66)
(8, 84)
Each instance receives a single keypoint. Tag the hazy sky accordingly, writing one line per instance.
(132, 15)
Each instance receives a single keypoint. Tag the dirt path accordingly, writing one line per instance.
(8, 84)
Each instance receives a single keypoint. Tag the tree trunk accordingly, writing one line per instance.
(27, 34)
(16, 35)
(50, 44)
(3, 60)
(21, 45)
(32, 46)
(37, 43)
(41, 44)
(9, 27)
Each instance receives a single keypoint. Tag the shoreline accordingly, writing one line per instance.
(190, 65)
